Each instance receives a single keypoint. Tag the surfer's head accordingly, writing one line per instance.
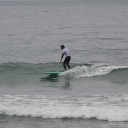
(62, 47)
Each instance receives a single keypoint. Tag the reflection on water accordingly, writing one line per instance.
(50, 78)
(66, 83)
(61, 81)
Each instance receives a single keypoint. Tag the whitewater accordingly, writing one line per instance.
(84, 71)
(108, 107)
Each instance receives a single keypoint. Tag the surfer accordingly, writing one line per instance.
(65, 52)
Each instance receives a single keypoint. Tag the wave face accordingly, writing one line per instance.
(30, 70)
(110, 108)
(78, 70)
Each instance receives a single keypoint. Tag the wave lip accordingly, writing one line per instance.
(111, 108)
(84, 71)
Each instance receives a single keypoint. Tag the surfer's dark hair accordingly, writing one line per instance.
(62, 46)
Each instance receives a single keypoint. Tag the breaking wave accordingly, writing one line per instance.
(85, 71)
(78, 70)
(110, 108)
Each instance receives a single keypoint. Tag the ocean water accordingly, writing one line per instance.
(93, 94)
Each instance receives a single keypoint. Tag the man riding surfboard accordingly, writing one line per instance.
(65, 52)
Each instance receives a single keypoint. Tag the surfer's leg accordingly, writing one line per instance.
(68, 60)
(64, 64)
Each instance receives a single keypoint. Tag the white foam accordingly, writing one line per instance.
(111, 108)
(84, 71)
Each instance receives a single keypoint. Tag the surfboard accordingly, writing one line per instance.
(52, 73)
